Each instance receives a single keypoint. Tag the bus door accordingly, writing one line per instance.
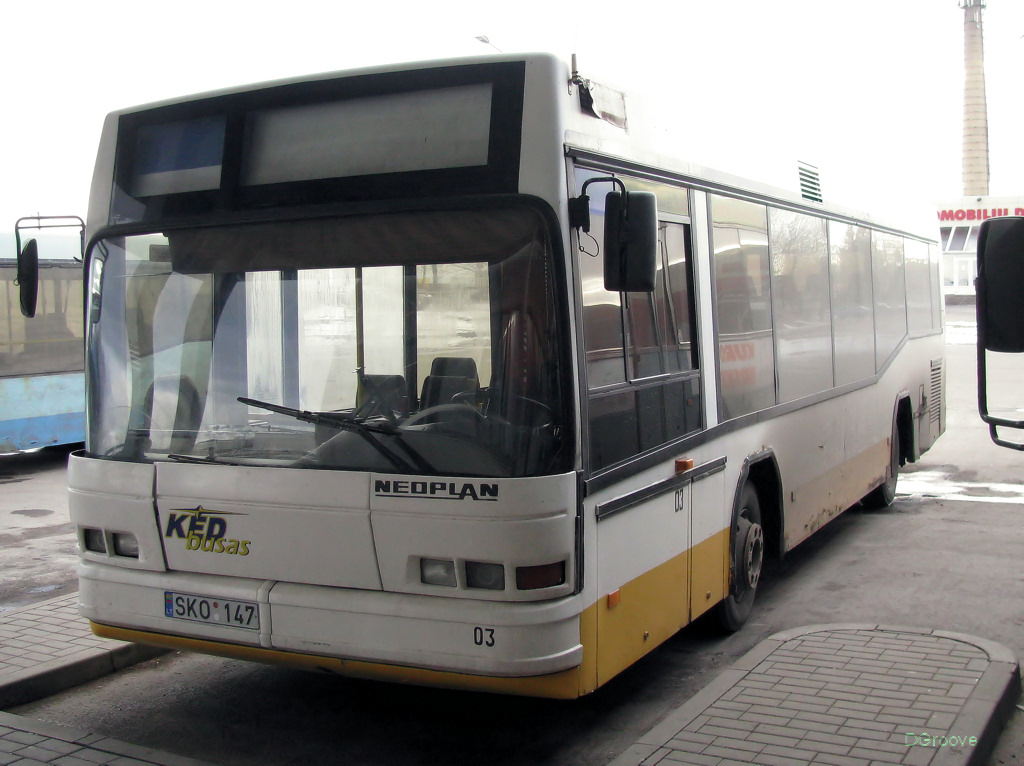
(643, 392)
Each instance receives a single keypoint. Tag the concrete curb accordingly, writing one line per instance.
(58, 675)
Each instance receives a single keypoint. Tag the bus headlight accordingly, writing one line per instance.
(437, 572)
(94, 540)
(126, 544)
(486, 576)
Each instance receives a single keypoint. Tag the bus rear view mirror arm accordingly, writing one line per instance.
(630, 235)
(28, 277)
(28, 255)
(999, 287)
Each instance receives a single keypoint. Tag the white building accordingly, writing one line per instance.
(959, 220)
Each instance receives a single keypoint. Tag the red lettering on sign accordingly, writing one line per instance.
(978, 214)
(745, 376)
(738, 352)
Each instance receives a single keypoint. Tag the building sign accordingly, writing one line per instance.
(977, 214)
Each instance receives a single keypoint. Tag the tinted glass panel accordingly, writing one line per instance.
(674, 239)
(919, 294)
(890, 295)
(743, 307)
(645, 317)
(395, 132)
(602, 310)
(671, 199)
(800, 302)
(631, 338)
(178, 157)
(853, 320)
(332, 314)
(52, 340)
(614, 428)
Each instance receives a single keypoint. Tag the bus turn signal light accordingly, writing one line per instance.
(543, 576)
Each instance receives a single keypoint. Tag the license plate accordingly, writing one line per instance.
(215, 611)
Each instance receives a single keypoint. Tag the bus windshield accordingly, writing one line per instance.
(420, 343)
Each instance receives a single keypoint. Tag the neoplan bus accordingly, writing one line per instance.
(437, 374)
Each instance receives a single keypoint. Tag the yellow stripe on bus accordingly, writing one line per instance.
(651, 609)
(654, 606)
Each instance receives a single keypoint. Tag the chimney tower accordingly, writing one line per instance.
(975, 148)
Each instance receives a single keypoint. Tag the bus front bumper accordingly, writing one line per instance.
(530, 648)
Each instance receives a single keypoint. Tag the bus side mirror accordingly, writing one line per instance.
(28, 277)
(1000, 285)
(999, 288)
(630, 242)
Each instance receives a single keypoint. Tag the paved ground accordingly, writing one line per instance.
(25, 742)
(44, 649)
(848, 695)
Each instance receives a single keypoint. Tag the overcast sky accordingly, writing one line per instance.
(871, 93)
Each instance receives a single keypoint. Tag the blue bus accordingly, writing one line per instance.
(42, 362)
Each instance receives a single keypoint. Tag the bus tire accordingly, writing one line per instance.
(884, 494)
(746, 557)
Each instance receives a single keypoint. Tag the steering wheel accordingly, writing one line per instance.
(456, 409)
(548, 414)
(376, 405)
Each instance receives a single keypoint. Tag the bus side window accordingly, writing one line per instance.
(742, 274)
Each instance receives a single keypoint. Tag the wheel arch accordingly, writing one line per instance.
(904, 415)
(762, 471)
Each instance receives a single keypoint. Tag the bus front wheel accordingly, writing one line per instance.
(746, 552)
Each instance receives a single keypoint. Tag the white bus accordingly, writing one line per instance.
(367, 394)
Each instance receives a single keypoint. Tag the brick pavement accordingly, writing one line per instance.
(854, 695)
(47, 647)
(846, 695)
(26, 742)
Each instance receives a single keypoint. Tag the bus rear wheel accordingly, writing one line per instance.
(884, 494)
(746, 552)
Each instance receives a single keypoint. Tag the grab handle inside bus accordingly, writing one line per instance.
(998, 287)
(630, 235)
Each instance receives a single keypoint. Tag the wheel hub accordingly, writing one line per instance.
(753, 555)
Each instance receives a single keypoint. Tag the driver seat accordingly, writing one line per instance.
(449, 377)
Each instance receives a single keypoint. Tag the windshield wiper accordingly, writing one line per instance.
(349, 423)
(331, 419)
(208, 460)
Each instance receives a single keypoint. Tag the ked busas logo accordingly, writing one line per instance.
(204, 530)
